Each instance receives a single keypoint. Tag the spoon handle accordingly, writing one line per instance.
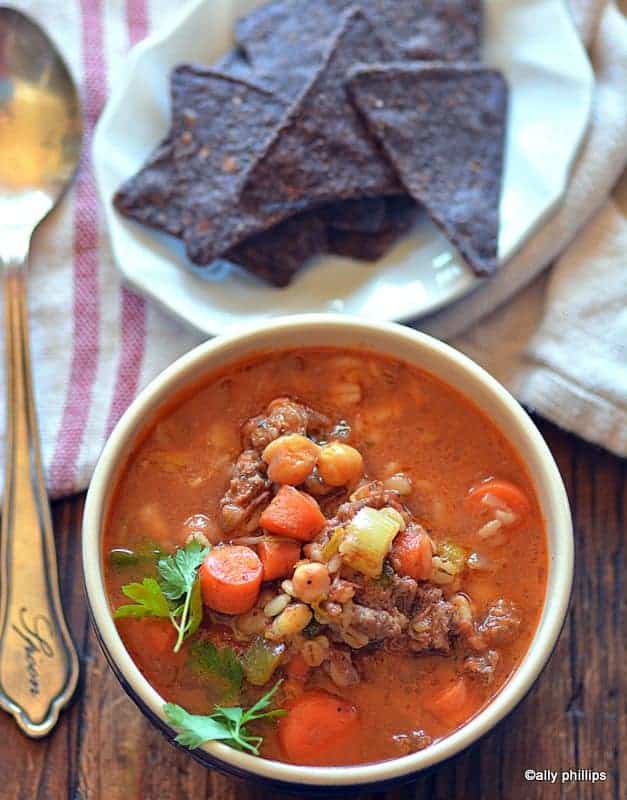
(38, 662)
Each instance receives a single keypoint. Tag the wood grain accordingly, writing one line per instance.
(574, 718)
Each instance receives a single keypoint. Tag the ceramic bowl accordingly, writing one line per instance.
(387, 339)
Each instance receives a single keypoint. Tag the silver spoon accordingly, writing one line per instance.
(40, 142)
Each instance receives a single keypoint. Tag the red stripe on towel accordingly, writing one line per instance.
(136, 20)
(86, 299)
(133, 345)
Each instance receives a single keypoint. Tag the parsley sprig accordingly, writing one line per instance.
(174, 594)
(226, 725)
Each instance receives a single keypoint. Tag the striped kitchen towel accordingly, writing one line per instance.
(95, 343)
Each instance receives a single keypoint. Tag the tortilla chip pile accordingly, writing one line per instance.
(324, 131)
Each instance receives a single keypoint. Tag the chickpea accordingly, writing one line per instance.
(340, 464)
(311, 582)
(290, 458)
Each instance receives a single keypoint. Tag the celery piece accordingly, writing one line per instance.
(261, 659)
(367, 540)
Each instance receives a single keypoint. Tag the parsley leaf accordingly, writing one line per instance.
(177, 572)
(258, 710)
(149, 600)
(220, 665)
(195, 729)
(225, 724)
(195, 608)
(178, 578)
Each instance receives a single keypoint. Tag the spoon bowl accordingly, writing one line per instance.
(40, 145)
(40, 121)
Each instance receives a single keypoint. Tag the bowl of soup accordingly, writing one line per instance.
(326, 553)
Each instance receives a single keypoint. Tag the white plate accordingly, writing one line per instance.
(533, 42)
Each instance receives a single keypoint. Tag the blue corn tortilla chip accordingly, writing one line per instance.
(283, 83)
(360, 215)
(370, 214)
(321, 152)
(287, 39)
(432, 30)
(181, 171)
(400, 213)
(276, 254)
(152, 196)
(219, 124)
(442, 126)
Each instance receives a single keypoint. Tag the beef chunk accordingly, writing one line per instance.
(283, 415)
(396, 594)
(248, 489)
(431, 627)
(403, 590)
(501, 623)
(482, 666)
(464, 628)
(376, 623)
(427, 595)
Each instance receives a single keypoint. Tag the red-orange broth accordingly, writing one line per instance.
(403, 422)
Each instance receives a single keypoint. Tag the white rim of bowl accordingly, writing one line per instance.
(542, 471)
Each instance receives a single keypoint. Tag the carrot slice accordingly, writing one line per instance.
(230, 579)
(316, 725)
(453, 705)
(278, 558)
(294, 514)
(502, 490)
(412, 554)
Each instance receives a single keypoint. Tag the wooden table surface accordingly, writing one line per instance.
(104, 749)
